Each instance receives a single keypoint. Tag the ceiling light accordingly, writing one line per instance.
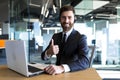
(47, 12)
(35, 5)
(117, 7)
(54, 8)
(42, 10)
(60, 3)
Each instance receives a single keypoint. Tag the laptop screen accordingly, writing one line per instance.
(16, 56)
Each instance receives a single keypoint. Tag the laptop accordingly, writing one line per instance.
(17, 59)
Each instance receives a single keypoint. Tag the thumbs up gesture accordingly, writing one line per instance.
(52, 42)
(53, 49)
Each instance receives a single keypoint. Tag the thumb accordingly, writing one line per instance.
(52, 42)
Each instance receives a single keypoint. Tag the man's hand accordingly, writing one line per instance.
(53, 49)
(53, 69)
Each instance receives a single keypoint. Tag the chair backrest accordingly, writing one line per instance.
(91, 54)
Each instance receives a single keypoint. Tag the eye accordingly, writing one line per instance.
(69, 17)
(63, 17)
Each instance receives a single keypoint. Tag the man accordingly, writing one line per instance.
(72, 54)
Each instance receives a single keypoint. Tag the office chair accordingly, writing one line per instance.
(91, 54)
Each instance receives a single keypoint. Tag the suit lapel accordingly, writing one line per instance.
(70, 38)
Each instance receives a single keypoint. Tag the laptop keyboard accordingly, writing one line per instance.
(33, 69)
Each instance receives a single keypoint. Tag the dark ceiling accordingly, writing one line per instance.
(3, 10)
(35, 10)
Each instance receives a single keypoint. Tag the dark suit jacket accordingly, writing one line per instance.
(74, 53)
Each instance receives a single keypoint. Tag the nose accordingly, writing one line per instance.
(66, 19)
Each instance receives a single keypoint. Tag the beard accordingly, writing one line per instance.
(67, 26)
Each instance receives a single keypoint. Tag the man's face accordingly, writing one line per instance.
(67, 20)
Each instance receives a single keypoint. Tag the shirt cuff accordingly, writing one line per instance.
(66, 68)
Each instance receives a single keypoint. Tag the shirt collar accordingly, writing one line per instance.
(68, 33)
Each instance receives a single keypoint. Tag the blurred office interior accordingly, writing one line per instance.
(35, 21)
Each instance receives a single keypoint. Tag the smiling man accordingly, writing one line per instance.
(72, 54)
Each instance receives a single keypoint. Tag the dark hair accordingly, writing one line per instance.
(66, 8)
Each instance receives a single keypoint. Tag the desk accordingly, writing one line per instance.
(88, 74)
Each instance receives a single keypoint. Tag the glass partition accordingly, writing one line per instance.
(22, 28)
(24, 25)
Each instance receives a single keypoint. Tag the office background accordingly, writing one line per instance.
(36, 20)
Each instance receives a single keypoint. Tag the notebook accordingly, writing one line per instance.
(17, 59)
